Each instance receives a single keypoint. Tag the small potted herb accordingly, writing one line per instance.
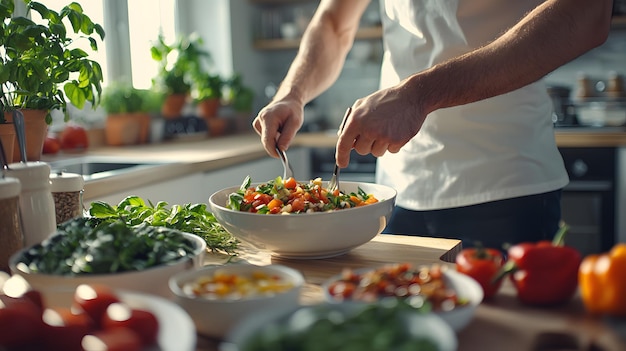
(179, 63)
(41, 69)
(129, 113)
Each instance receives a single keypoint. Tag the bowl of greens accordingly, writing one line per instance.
(88, 250)
(387, 325)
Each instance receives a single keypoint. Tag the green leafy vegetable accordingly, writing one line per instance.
(84, 246)
(190, 218)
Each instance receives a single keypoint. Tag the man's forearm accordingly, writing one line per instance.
(323, 49)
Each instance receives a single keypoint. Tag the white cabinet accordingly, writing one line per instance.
(197, 187)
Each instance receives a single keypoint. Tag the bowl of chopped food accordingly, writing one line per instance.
(390, 325)
(303, 220)
(138, 258)
(219, 297)
(439, 289)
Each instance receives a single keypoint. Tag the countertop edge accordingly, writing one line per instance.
(188, 155)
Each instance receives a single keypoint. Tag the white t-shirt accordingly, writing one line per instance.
(494, 149)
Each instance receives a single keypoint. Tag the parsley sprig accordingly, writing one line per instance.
(190, 218)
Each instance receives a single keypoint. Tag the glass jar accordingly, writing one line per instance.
(36, 203)
(67, 192)
(11, 238)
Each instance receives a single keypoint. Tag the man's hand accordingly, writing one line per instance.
(278, 123)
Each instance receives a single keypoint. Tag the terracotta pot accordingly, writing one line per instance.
(217, 126)
(208, 108)
(173, 105)
(144, 120)
(35, 130)
(122, 129)
(7, 138)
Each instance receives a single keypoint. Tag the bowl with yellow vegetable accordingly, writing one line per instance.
(220, 297)
(303, 220)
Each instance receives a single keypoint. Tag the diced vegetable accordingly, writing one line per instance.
(279, 196)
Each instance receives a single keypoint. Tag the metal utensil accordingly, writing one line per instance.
(288, 172)
(18, 123)
(3, 159)
(333, 184)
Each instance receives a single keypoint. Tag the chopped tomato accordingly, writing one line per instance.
(290, 183)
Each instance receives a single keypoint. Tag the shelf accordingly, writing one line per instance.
(284, 44)
(618, 21)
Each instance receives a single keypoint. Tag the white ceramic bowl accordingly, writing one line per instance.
(309, 235)
(297, 322)
(215, 317)
(465, 287)
(152, 280)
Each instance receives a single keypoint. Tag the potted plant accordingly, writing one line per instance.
(178, 64)
(128, 113)
(240, 98)
(41, 69)
(208, 94)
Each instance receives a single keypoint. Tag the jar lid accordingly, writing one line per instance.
(32, 175)
(9, 187)
(66, 182)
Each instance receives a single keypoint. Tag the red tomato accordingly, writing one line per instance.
(20, 319)
(142, 322)
(94, 300)
(290, 183)
(51, 145)
(297, 205)
(116, 339)
(482, 264)
(64, 329)
(74, 137)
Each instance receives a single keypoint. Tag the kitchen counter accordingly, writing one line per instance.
(500, 324)
(201, 154)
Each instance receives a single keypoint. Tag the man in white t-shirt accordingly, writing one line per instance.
(462, 122)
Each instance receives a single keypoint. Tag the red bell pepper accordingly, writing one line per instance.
(544, 273)
(482, 264)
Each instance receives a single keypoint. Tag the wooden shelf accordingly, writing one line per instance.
(285, 44)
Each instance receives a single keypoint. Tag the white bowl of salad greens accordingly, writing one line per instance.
(138, 258)
(388, 325)
(303, 220)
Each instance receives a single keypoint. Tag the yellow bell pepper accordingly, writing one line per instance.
(602, 282)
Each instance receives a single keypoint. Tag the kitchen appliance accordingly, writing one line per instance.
(563, 113)
(589, 203)
(361, 168)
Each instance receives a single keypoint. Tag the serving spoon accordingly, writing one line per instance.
(333, 184)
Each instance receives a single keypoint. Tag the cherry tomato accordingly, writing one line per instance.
(142, 322)
(94, 299)
(482, 264)
(51, 145)
(64, 328)
(74, 137)
(116, 339)
(20, 319)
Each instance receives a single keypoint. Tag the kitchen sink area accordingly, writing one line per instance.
(96, 167)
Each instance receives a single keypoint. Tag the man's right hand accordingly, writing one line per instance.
(278, 122)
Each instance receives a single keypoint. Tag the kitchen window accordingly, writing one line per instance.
(131, 26)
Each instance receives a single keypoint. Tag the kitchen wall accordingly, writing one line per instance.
(230, 39)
